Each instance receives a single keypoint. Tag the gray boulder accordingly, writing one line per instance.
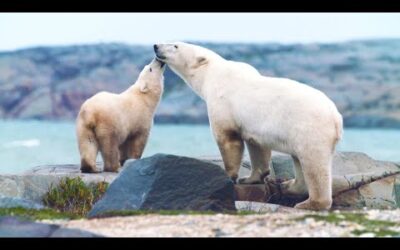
(168, 182)
(13, 227)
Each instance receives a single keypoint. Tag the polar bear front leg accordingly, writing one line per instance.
(231, 147)
(296, 186)
(259, 158)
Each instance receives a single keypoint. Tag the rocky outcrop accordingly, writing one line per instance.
(52, 82)
(168, 182)
(358, 181)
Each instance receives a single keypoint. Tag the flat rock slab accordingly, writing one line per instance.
(9, 202)
(168, 182)
(15, 227)
(34, 183)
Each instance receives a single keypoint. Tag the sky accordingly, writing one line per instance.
(21, 30)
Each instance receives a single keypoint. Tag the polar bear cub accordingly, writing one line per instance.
(263, 113)
(118, 125)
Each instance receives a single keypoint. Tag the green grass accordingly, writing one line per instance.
(33, 214)
(53, 214)
(73, 196)
(378, 227)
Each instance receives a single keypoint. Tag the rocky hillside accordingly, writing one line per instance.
(362, 77)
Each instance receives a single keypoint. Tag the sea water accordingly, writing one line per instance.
(26, 144)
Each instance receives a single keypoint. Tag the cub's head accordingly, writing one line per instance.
(152, 75)
(182, 58)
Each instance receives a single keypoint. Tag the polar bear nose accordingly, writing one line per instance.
(155, 47)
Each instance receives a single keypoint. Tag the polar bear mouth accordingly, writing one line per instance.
(160, 57)
(160, 62)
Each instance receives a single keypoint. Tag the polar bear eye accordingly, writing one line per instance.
(151, 70)
(176, 46)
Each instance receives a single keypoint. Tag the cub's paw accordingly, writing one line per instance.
(89, 170)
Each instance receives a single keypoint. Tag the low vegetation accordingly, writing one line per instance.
(72, 195)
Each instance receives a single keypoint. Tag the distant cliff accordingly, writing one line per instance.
(362, 77)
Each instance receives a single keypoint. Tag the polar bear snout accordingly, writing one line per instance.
(160, 56)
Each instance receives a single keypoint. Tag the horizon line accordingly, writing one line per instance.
(366, 39)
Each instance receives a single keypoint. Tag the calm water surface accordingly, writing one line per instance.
(25, 144)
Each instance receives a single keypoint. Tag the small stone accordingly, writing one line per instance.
(367, 235)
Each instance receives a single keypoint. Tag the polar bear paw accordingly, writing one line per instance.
(89, 170)
(314, 205)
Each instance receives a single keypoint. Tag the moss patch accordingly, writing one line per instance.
(73, 196)
(378, 227)
(32, 214)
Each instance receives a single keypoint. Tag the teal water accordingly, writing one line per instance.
(25, 144)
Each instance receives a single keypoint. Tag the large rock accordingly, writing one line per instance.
(168, 182)
(12, 227)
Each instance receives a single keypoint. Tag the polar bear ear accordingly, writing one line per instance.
(201, 60)
(143, 87)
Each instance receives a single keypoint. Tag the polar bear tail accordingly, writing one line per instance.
(88, 145)
(338, 126)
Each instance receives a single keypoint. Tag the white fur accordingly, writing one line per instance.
(267, 113)
(118, 125)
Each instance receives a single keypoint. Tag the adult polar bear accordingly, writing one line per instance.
(264, 113)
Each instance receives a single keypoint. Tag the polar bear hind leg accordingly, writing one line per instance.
(88, 148)
(318, 178)
(259, 158)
